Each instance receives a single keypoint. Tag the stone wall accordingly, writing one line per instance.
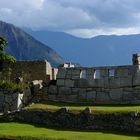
(85, 120)
(10, 101)
(99, 85)
(32, 70)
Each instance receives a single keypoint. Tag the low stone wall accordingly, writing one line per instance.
(10, 101)
(63, 118)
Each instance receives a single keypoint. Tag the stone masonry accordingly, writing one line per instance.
(99, 85)
(33, 70)
(10, 101)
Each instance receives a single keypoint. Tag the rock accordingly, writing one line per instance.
(19, 80)
(63, 110)
(60, 82)
(37, 83)
(52, 89)
(87, 110)
(134, 113)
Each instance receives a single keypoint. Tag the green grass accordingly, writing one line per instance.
(105, 108)
(18, 129)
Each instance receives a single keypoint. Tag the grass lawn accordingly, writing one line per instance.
(18, 129)
(104, 108)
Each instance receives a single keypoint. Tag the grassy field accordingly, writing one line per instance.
(105, 108)
(17, 129)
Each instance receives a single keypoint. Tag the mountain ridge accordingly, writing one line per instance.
(101, 50)
(24, 47)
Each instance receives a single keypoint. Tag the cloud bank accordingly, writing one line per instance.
(82, 18)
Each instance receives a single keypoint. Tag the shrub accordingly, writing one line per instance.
(5, 84)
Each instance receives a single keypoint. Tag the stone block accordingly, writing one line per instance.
(136, 93)
(91, 96)
(83, 83)
(99, 83)
(1, 97)
(82, 94)
(27, 95)
(114, 82)
(60, 82)
(15, 96)
(75, 77)
(106, 83)
(76, 72)
(72, 97)
(62, 97)
(136, 80)
(52, 97)
(96, 83)
(75, 91)
(76, 83)
(89, 89)
(92, 82)
(128, 96)
(126, 82)
(61, 73)
(68, 76)
(8, 98)
(116, 94)
(69, 83)
(64, 91)
(52, 89)
(101, 96)
(36, 88)
(128, 89)
(45, 90)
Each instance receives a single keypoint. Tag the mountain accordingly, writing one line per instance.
(24, 47)
(97, 51)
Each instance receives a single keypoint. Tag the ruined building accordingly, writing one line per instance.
(99, 85)
(33, 70)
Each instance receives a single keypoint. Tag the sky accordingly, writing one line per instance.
(82, 18)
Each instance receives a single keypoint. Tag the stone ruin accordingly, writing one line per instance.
(32, 70)
(97, 85)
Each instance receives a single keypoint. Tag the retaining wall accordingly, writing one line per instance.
(63, 118)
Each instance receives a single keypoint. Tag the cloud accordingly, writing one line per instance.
(78, 17)
(89, 33)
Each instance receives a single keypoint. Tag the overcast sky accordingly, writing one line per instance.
(84, 18)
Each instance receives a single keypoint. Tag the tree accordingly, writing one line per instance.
(3, 56)
(3, 43)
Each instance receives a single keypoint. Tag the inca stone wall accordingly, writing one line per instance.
(84, 120)
(10, 101)
(99, 85)
(32, 70)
